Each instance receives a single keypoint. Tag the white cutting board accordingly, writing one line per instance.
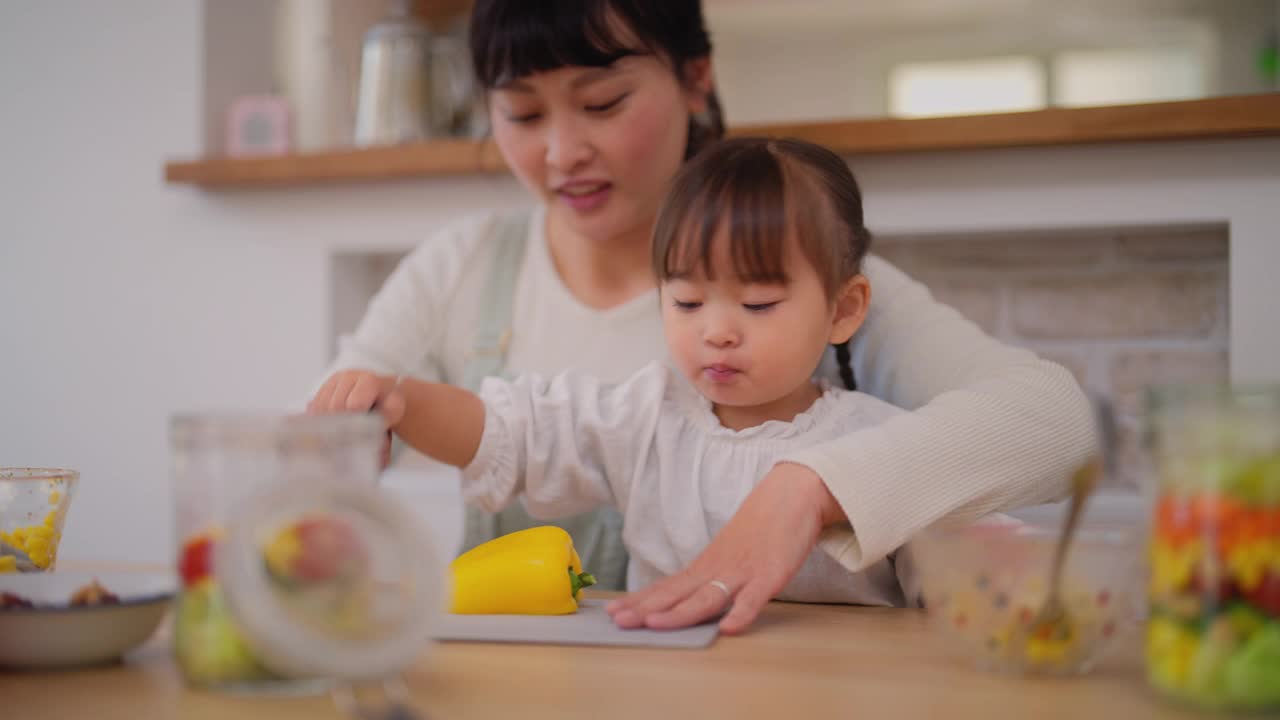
(591, 625)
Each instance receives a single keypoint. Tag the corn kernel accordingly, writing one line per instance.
(40, 558)
(55, 497)
(37, 545)
(1047, 651)
(40, 531)
(1171, 568)
(8, 564)
(1248, 563)
(281, 552)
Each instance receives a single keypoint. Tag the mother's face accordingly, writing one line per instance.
(598, 146)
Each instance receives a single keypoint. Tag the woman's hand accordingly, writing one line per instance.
(362, 391)
(754, 556)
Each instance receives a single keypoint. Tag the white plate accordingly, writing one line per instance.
(55, 635)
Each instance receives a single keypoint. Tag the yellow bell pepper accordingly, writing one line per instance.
(529, 572)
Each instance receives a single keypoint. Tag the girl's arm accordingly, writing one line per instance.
(441, 421)
(568, 443)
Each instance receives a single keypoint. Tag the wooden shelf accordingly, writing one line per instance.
(443, 157)
(1224, 117)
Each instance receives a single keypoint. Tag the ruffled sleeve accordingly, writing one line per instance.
(567, 444)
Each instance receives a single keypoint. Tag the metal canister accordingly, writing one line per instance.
(396, 88)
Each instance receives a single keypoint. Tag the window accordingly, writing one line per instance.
(1104, 77)
(1022, 82)
(967, 87)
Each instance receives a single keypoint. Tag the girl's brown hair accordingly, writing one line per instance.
(765, 189)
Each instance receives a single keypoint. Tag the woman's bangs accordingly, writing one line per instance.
(524, 39)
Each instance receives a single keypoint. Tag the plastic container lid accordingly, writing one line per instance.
(332, 581)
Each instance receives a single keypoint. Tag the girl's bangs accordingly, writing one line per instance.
(523, 38)
(747, 195)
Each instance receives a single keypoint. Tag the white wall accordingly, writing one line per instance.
(123, 300)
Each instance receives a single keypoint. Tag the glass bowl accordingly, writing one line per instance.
(33, 509)
(983, 585)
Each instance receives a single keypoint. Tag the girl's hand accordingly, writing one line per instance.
(360, 391)
(754, 556)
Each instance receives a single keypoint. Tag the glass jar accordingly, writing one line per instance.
(33, 509)
(1213, 634)
(295, 569)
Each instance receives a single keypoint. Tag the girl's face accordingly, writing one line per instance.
(597, 145)
(754, 346)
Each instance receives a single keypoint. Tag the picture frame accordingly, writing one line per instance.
(259, 125)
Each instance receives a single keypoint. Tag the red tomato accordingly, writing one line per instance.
(328, 547)
(1222, 592)
(196, 562)
(1179, 519)
(1247, 528)
(1266, 597)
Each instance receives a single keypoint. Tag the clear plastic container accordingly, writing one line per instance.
(33, 509)
(296, 571)
(983, 584)
(1213, 635)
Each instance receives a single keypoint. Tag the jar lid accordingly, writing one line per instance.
(330, 580)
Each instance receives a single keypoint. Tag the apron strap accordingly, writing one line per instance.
(597, 535)
(488, 356)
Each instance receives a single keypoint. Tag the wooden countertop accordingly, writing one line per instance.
(798, 662)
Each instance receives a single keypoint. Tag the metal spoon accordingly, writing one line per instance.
(1053, 622)
(24, 560)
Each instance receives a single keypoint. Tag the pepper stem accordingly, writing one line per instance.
(577, 581)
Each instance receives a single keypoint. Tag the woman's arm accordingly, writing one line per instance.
(401, 328)
(403, 325)
(992, 427)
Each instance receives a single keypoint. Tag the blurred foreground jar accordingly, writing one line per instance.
(296, 571)
(1213, 636)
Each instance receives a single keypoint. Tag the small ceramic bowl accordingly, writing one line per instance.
(53, 633)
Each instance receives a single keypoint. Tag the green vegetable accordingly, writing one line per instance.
(1209, 667)
(207, 643)
(1245, 620)
(1253, 674)
(1257, 482)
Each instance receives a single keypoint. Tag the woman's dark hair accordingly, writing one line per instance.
(514, 38)
(765, 189)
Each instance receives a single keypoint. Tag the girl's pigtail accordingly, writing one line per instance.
(844, 358)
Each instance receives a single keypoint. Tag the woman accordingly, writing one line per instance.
(594, 105)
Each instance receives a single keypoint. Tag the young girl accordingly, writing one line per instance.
(758, 254)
